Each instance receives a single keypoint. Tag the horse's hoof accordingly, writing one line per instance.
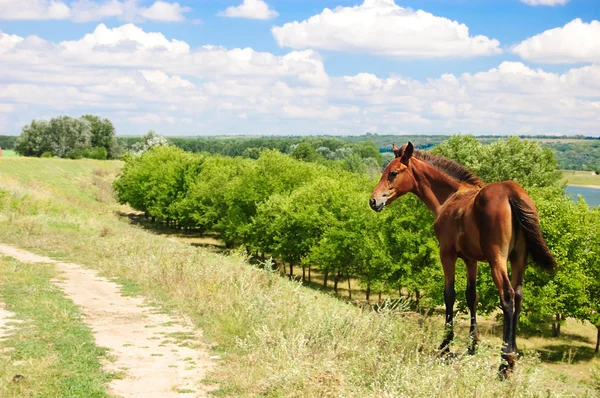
(471, 350)
(506, 366)
(449, 357)
(503, 372)
(444, 350)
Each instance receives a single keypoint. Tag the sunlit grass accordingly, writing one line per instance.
(49, 352)
(576, 177)
(8, 153)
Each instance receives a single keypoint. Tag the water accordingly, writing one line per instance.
(591, 195)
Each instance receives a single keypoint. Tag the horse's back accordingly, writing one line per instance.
(474, 220)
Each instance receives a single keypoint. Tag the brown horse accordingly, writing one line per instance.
(493, 223)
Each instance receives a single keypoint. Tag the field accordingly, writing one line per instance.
(275, 337)
(583, 178)
(8, 153)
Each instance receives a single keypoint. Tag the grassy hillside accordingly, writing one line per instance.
(275, 337)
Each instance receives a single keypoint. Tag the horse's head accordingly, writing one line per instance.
(397, 179)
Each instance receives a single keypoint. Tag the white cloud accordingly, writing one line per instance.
(129, 46)
(163, 11)
(90, 10)
(251, 9)
(384, 28)
(545, 2)
(144, 80)
(577, 41)
(8, 42)
(33, 9)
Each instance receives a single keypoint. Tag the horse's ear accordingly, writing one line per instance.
(407, 154)
(397, 152)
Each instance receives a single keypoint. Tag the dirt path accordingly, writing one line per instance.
(159, 354)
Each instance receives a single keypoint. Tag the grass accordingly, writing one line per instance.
(575, 177)
(275, 337)
(51, 349)
(8, 153)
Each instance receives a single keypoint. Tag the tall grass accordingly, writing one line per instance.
(275, 337)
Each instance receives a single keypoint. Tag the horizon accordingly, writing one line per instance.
(287, 68)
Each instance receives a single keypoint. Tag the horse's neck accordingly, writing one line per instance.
(433, 186)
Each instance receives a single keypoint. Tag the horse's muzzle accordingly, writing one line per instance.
(375, 206)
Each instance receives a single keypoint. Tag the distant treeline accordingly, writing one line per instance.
(583, 154)
(572, 152)
(8, 141)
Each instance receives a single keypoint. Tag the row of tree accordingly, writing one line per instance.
(88, 136)
(314, 215)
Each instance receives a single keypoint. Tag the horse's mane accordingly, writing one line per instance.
(449, 167)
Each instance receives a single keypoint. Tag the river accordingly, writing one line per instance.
(591, 195)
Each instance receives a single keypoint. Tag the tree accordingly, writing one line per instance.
(305, 152)
(62, 136)
(34, 139)
(204, 204)
(149, 140)
(366, 149)
(103, 135)
(552, 297)
(465, 149)
(523, 161)
(272, 173)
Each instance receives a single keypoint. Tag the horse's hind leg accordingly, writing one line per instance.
(496, 234)
(507, 301)
(448, 262)
(518, 262)
(472, 302)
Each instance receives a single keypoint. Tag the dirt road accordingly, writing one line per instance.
(159, 355)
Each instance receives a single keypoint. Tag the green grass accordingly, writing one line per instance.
(276, 338)
(51, 347)
(574, 177)
(8, 153)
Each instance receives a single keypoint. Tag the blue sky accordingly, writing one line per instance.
(350, 72)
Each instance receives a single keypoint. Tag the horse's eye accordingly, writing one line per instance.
(393, 173)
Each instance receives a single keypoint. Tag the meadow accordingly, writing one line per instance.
(583, 178)
(8, 153)
(275, 336)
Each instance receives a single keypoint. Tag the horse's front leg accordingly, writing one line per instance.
(448, 262)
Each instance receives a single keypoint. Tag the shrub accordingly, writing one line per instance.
(46, 155)
(97, 152)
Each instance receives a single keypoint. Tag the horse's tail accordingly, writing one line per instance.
(525, 214)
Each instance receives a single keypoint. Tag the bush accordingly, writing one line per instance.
(75, 154)
(46, 155)
(97, 152)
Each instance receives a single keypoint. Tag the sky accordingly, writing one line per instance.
(295, 67)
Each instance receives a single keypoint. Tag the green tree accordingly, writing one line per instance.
(366, 149)
(465, 149)
(566, 227)
(272, 173)
(103, 135)
(62, 136)
(523, 161)
(289, 225)
(305, 152)
(34, 139)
